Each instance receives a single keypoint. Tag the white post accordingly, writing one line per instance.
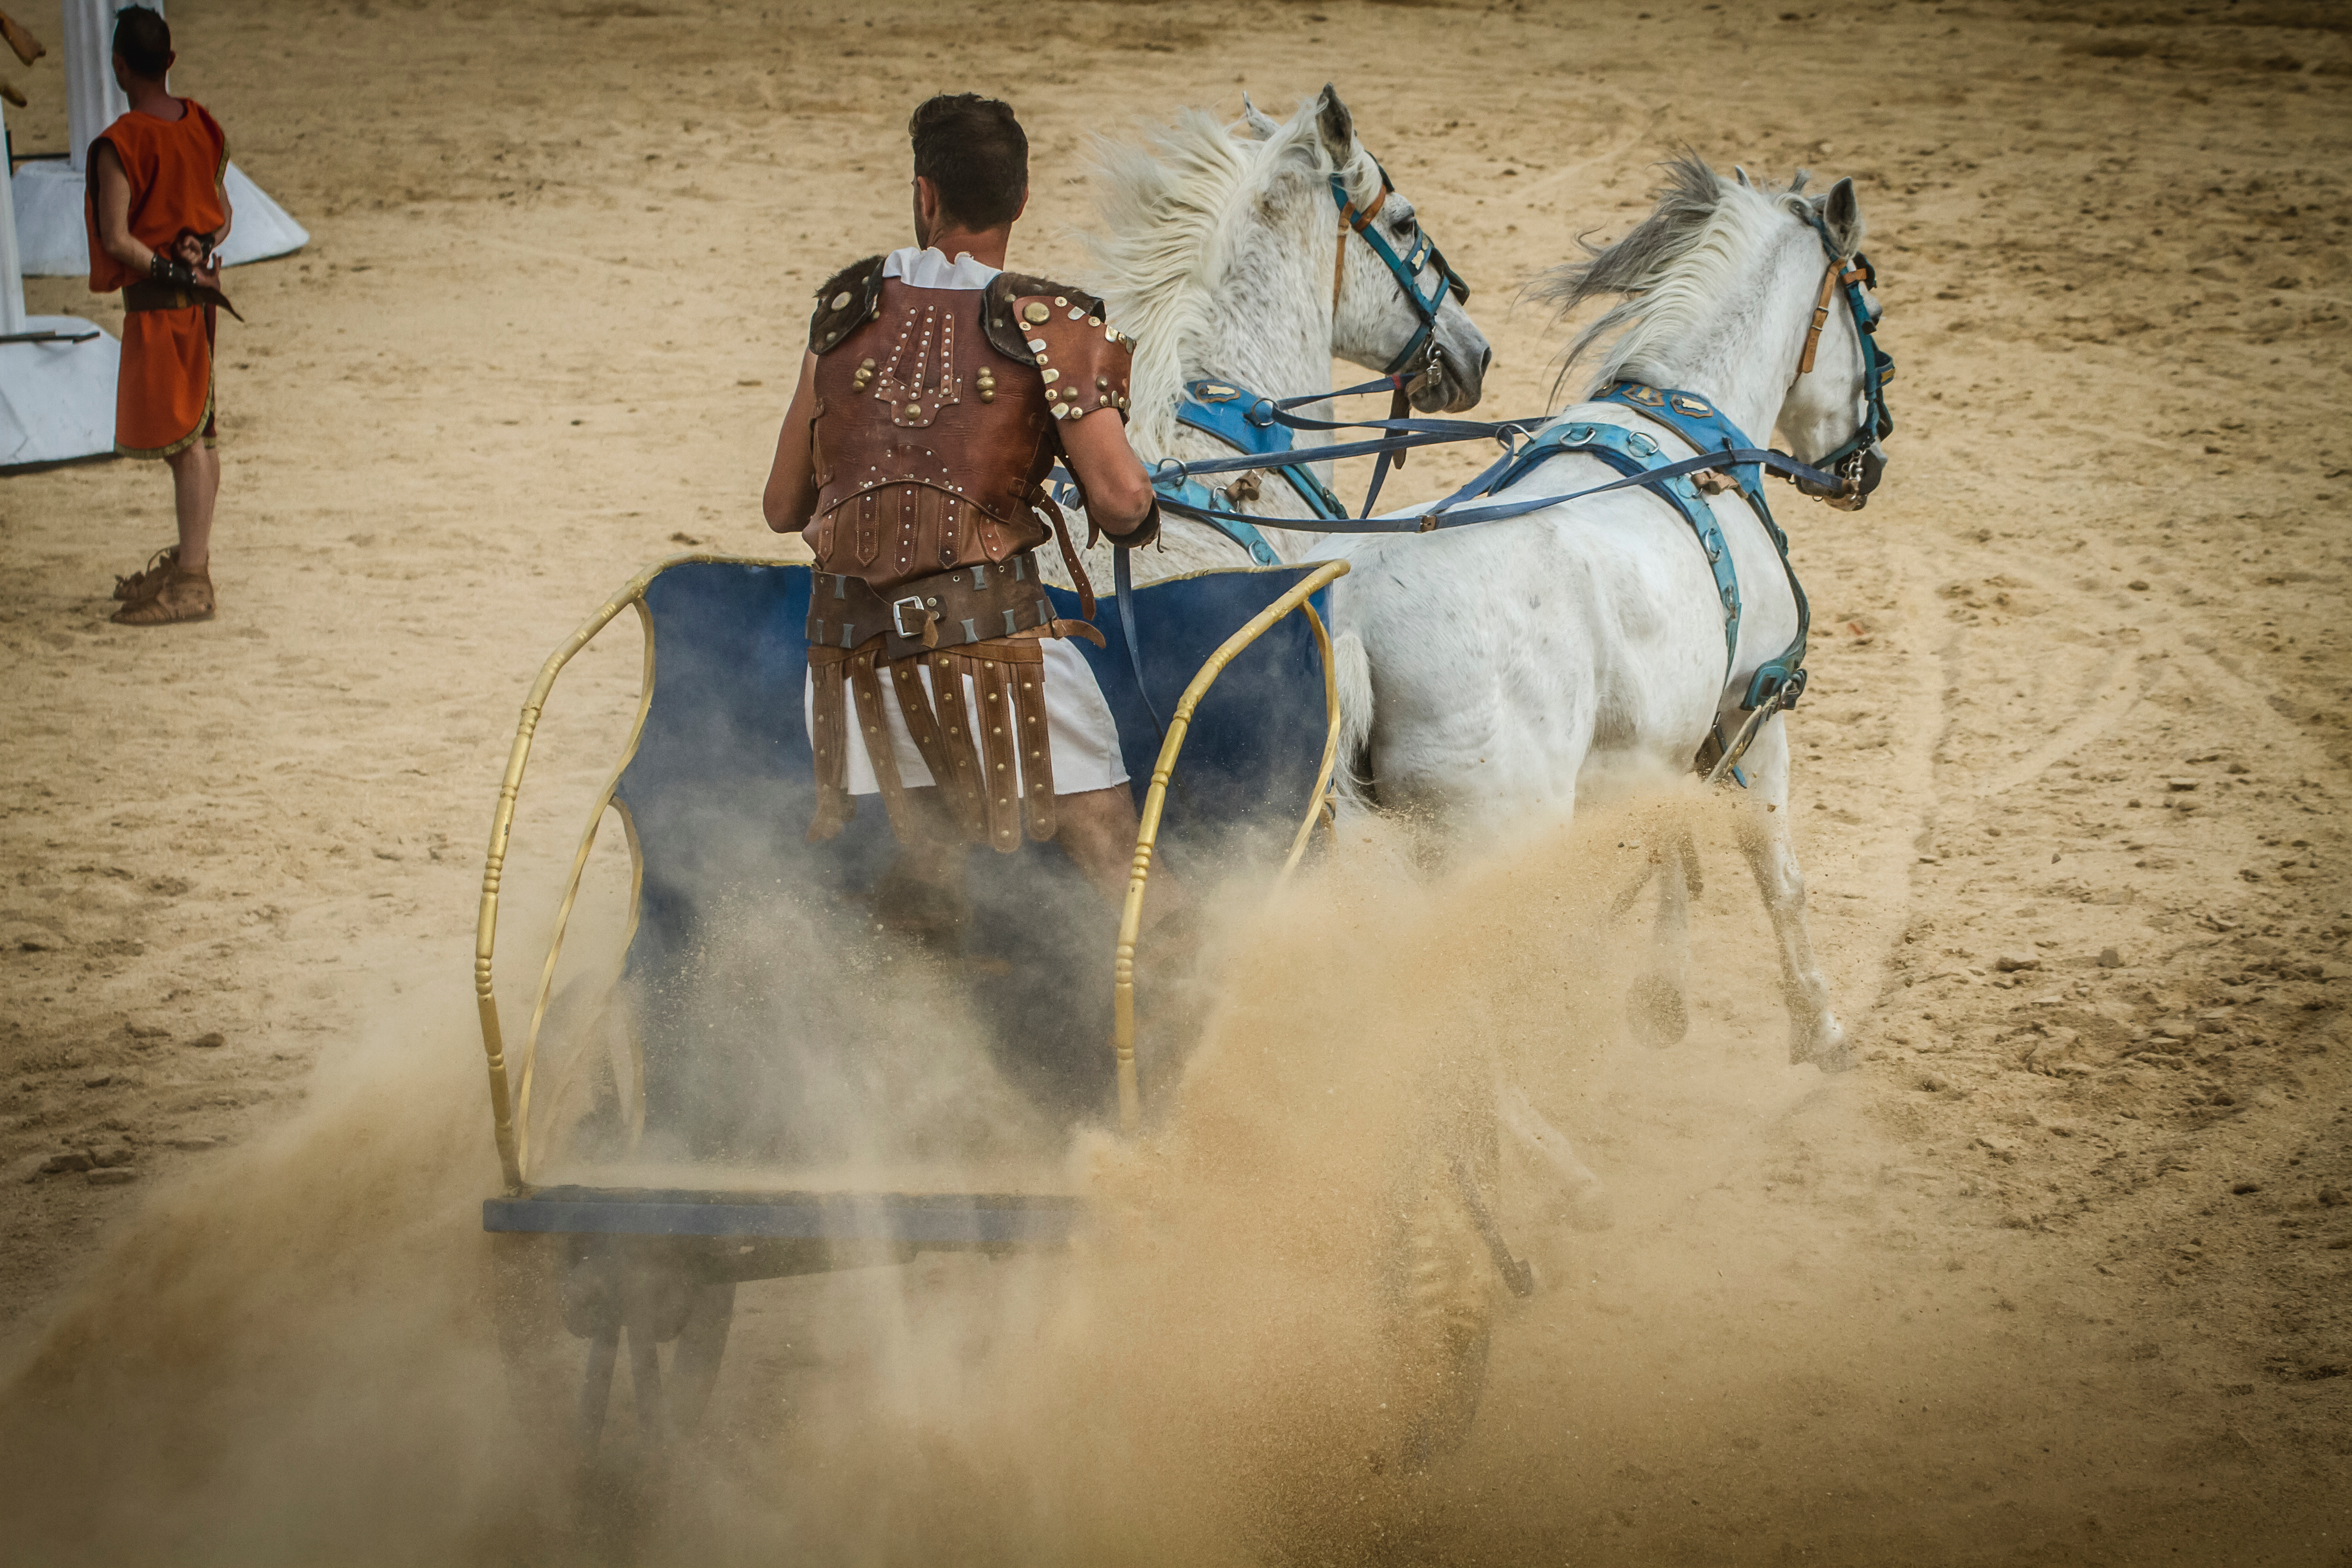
(94, 101)
(11, 266)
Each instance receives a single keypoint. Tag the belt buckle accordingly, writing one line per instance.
(899, 616)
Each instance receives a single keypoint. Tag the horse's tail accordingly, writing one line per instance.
(1354, 670)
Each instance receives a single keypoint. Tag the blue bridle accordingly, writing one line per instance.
(1860, 462)
(1257, 426)
(1406, 269)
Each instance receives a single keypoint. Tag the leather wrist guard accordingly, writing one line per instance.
(1142, 534)
(171, 271)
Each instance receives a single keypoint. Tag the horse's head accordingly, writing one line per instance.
(1758, 301)
(1834, 415)
(1259, 253)
(1396, 305)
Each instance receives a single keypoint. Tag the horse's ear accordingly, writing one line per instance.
(1335, 125)
(1261, 124)
(1744, 179)
(1842, 213)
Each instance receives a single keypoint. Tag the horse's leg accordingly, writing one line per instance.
(1814, 1034)
(1585, 1199)
(1656, 1004)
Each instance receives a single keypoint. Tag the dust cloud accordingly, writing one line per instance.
(291, 1358)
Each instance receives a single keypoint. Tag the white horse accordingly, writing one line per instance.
(1494, 670)
(1221, 253)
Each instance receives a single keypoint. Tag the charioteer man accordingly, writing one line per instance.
(936, 393)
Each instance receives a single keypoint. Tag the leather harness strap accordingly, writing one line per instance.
(1832, 281)
(1352, 222)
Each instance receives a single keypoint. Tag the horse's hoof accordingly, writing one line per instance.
(1656, 1007)
(1823, 1046)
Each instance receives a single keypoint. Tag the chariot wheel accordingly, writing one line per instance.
(1446, 1266)
(566, 1307)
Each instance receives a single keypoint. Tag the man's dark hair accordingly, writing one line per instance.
(973, 150)
(143, 39)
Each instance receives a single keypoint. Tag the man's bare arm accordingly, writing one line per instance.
(1118, 492)
(791, 495)
(114, 235)
(228, 215)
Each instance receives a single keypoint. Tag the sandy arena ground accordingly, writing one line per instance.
(2060, 1274)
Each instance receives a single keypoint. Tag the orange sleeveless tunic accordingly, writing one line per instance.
(164, 398)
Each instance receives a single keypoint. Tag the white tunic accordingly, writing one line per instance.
(1078, 724)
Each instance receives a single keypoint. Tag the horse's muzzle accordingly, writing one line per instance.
(1442, 387)
(1863, 472)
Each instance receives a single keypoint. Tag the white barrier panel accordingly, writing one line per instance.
(56, 373)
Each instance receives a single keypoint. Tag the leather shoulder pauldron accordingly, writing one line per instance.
(1062, 331)
(850, 296)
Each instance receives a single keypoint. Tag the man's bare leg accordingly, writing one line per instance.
(1097, 830)
(180, 587)
(922, 893)
(196, 485)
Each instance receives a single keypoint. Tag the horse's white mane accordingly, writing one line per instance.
(1676, 268)
(1168, 211)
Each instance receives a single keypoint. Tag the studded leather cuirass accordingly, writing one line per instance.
(927, 442)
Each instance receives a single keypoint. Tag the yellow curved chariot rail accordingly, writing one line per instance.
(509, 1109)
(1155, 801)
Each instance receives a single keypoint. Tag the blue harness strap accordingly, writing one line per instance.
(1634, 454)
(1779, 681)
(1231, 414)
(1246, 424)
(1196, 500)
(1122, 579)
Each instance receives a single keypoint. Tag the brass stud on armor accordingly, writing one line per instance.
(1035, 311)
(840, 300)
(1058, 299)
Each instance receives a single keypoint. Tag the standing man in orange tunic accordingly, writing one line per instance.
(157, 212)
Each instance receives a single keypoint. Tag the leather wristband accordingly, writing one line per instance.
(1143, 533)
(170, 271)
